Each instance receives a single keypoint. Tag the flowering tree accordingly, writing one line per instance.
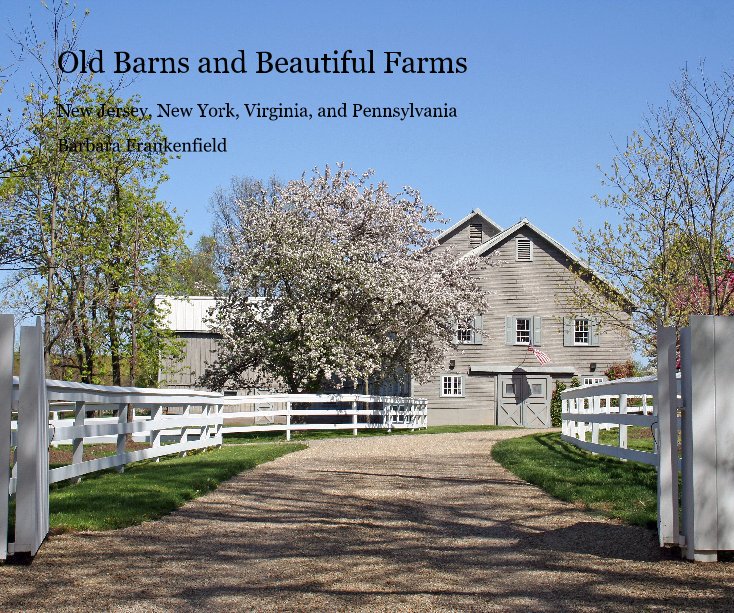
(333, 279)
(695, 295)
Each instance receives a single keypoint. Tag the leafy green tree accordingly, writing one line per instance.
(673, 206)
(91, 241)
(195, 274)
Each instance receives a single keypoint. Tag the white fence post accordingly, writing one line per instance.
(31, 511)
(685, 436)
(287, 421)
(204, 432)
(667, 412)
(184, 431)
(7, 345)
(595, 409)
(354, 418)
(121, 438)
(701, 541)
(623, 427)
(708, 454)
(155, 435)
(220, 423)
(77, 454)
(699, 468)
(724, 435)
(580, 425)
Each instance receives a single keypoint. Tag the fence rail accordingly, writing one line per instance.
(201, 423)
(166, 421)
(623, 403)
(693, 424)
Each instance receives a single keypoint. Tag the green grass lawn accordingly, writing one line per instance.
(148, 490)
(637, 438)
(624, 490)
(310, 435)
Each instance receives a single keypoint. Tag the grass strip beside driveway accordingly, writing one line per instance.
(623, 490)
(147, 490)
(306, 435)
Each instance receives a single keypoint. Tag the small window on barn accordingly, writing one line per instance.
(475, 234)
(463, 335)
(581, 332)
(522, 331)
(469, 332)
(452, 385)
(523, 250)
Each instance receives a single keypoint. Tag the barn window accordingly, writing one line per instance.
(523, 250)
(475, 234)
(452, 385)
(581, 332)
(522, 331)
(463, 335)
(469, 332)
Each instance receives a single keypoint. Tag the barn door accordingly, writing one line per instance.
(509, 400)
(523, 400)
(536, 406)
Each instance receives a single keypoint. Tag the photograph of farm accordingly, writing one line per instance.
(384, 307)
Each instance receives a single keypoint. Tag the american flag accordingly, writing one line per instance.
(541, 356)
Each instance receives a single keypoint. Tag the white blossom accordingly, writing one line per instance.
(353, 286)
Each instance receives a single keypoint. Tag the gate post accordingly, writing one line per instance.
(708, 456)
(31, 510)
(7, 342)
(699, 452)
(667, 409)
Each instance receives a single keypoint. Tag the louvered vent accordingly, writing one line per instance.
(475, 234)
(524, 250)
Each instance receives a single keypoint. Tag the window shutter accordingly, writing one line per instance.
(537, 332)
(594, 331)
(477, 333)
(509, 330)
(568, 330)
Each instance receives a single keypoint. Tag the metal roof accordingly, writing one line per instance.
(186, 314)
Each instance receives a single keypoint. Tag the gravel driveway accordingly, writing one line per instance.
(406, 523)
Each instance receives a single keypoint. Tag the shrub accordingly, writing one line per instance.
(555, 409)
(621, 371)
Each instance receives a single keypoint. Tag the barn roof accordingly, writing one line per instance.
(448, 232)
(487, 246)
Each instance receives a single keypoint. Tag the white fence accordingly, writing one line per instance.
(692, 417)
(626, 402)
(166, 421)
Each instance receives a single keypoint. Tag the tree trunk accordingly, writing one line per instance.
(114, 335)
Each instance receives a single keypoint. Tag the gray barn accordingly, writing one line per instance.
(491, 377)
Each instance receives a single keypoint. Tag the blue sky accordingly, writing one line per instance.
(550, 87)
